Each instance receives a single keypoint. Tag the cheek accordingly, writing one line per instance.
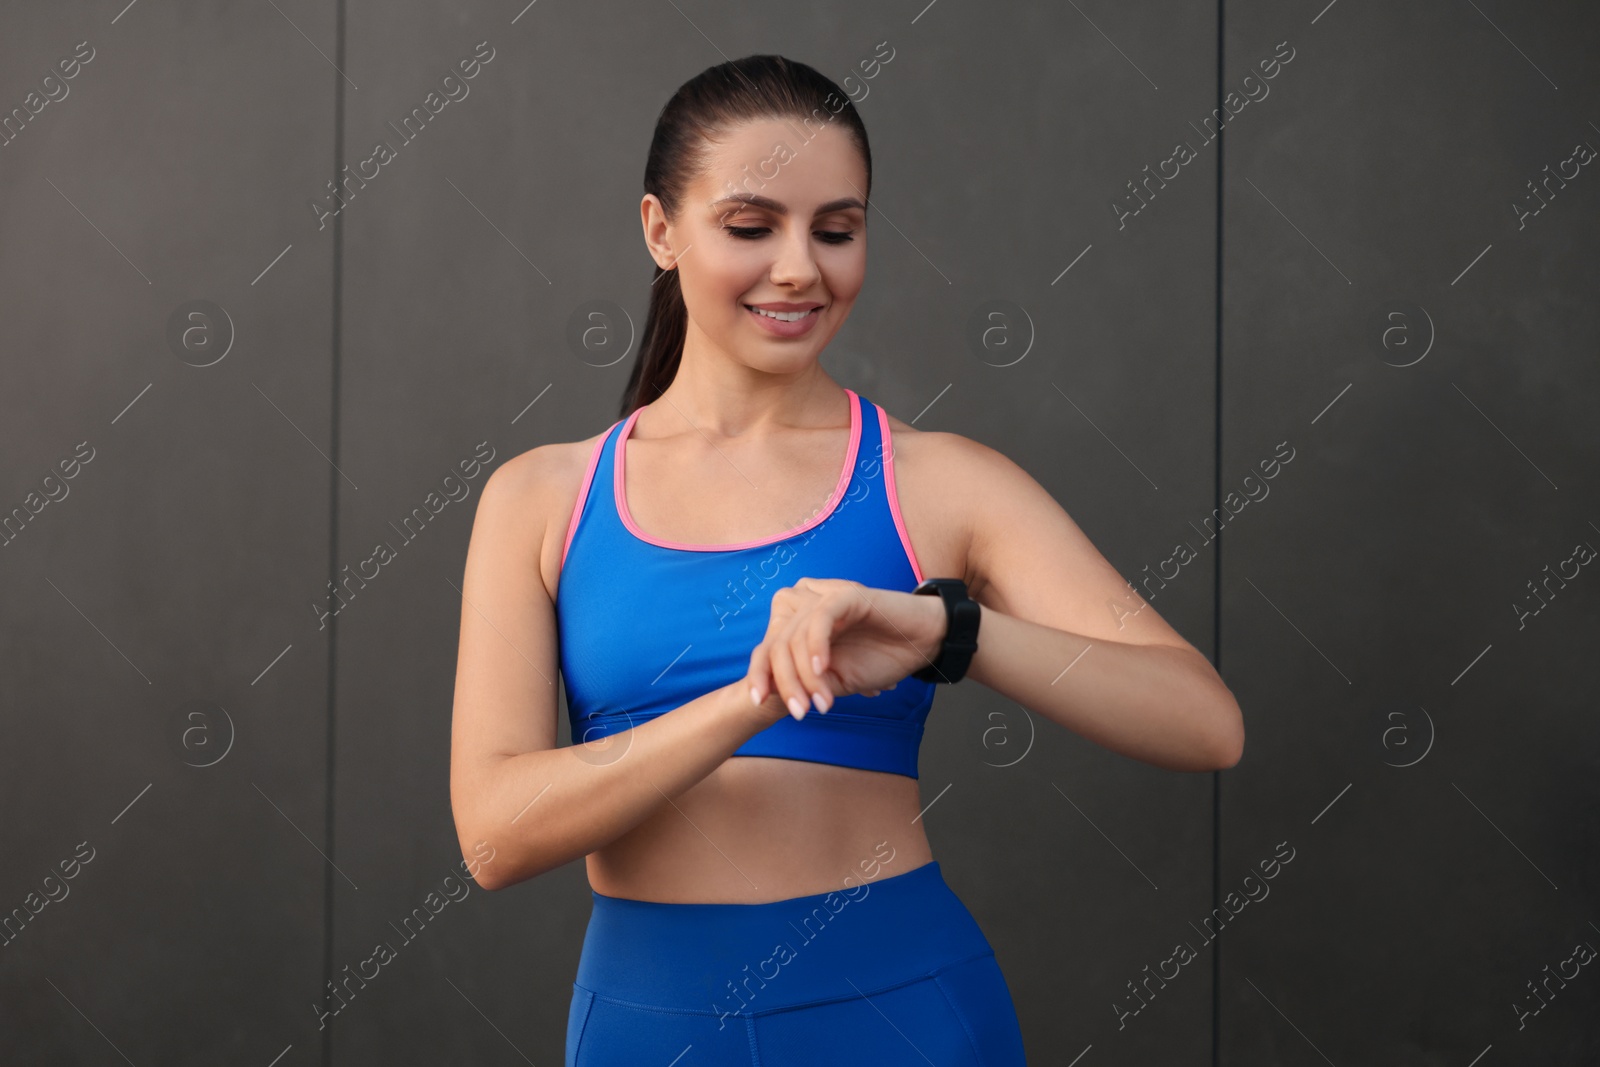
(846, 270)
(713, 295)
(730, 277)
(845, 280)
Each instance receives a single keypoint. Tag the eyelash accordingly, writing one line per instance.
(832, 237)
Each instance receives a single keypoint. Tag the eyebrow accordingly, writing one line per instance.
(756, 200)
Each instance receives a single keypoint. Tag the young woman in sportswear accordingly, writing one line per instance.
(723, 579)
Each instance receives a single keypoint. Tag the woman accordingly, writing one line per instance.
(725, 576)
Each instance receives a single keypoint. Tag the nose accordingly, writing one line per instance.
(794, 266)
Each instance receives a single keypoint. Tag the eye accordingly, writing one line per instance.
(750, 233)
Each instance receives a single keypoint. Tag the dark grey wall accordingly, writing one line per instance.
(249, 796)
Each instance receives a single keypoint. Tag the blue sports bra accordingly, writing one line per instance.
(647, 625)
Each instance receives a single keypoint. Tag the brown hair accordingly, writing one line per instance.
(741, 90)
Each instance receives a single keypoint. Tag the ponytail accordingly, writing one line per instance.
(662, 346)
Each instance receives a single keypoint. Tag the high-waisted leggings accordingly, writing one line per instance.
(889, 972)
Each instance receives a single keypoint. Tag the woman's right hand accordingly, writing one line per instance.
(831, 637)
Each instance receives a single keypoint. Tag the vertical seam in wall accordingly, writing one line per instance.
(1216, 575)
(333, 523)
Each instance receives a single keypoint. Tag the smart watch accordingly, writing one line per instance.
(962, 615)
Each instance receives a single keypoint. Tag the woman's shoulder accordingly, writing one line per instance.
(547, 470)
(940, 454)
(942, 480)
(538, 491)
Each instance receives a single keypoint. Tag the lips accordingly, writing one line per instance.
(804, 320)
(802, 312)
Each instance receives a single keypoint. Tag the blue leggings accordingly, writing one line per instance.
(889, 972)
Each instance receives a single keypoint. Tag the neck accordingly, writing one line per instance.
(722, 397)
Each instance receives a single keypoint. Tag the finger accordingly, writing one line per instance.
(757, 678)
(781, 665)
(766, 686)
(811, 645)
(763, 677)
(834, 615)
(802, 653)
(789, 609)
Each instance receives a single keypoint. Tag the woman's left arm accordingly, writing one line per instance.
(1065, 636)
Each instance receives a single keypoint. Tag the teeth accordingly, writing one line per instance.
(781, 316)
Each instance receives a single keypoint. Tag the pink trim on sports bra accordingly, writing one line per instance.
(583, 493)
(894, 496)
(619, 490)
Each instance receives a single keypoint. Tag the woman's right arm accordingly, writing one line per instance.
(517, 798)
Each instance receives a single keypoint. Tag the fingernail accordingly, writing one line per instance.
(822, 701)
(755, 696)
(797, 708)
(816, 664)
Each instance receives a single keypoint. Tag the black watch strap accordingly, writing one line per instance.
(962, 614)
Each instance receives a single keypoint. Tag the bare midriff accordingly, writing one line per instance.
(759, 829)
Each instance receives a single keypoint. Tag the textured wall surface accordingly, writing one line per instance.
(1293, 308)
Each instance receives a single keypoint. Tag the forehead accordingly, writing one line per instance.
(799, 164)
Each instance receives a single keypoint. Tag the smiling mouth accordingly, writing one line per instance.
(782, 316)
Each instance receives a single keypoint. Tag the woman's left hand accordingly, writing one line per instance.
(864, 640)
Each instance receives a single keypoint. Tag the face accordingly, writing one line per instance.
(777, 221)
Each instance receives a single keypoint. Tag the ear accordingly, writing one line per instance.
(653, 217)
